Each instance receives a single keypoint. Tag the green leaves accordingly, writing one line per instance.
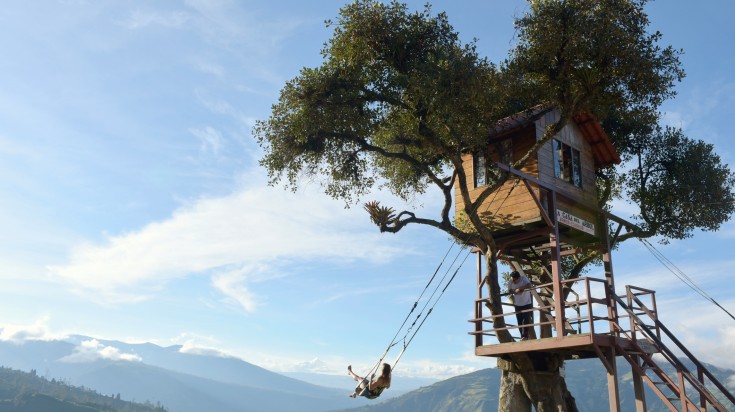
(591, 55)
(680, 184)
(397, 100)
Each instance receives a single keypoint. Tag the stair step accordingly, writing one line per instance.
(646, 346)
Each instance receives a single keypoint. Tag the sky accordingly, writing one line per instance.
(133, 208)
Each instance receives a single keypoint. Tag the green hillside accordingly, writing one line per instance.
(478, 391)
(28, 392)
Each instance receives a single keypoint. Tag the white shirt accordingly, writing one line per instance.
(523, 298)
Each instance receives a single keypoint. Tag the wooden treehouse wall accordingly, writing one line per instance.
(513, 205)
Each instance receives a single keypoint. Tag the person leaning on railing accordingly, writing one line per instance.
(519, 287)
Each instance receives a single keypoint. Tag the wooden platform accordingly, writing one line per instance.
(576, 346)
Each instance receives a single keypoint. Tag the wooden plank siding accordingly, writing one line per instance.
(572, 136)
(512, 205)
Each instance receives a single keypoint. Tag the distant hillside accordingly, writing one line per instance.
(27, 392)
(478, 391)
(184, 382)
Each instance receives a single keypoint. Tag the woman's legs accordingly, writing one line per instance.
(352, 374)
(363, 382)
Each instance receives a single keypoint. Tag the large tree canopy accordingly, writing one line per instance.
(399, 98)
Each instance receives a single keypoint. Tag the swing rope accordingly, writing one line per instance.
(394, 341)
(405, 344)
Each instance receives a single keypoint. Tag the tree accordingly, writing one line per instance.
(399, 99)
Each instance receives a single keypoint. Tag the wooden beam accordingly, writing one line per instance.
(640, 394)
(535, 198)
(613, 391)
(478, 304)
(612, 311)
(556, 269)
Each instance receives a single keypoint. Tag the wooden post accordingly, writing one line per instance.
(613, 393)
(554, 249)
(478, 305)
(700, 376)
(640, 395)
(612, 311)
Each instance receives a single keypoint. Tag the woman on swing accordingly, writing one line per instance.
(374, 387)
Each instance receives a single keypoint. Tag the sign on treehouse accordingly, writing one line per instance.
(575, 222)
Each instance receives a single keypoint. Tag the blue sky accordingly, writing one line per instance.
(133, 207)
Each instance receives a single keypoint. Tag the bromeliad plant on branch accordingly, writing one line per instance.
(399, 98)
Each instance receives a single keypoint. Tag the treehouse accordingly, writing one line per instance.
(548, 210)
(518, 210)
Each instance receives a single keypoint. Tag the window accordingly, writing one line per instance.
(479, 168)
(505, 148)
(567, 163)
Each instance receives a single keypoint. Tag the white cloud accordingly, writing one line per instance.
(196, 344)
(232, 284)
(92, 350)
(315, 365)
(435, 369)
(211, 139)
(705, 332)
(237, 239)
(20, 333)
(192, 349)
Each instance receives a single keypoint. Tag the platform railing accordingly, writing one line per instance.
(585, 311)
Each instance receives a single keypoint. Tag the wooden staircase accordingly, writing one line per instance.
(591, 330)
(683, 392)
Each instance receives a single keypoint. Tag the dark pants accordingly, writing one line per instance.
(525, 318)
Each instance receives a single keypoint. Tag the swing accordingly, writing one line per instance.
(364, 391)
(363, 387)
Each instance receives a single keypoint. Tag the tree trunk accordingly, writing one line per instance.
(542, 388)
(528, 379)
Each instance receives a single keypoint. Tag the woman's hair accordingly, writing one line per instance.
(386, 371)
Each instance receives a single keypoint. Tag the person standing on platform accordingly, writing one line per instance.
(520, 287)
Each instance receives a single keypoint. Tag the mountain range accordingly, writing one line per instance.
(182, 382)
(194, 382)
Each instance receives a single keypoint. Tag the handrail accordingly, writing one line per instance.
(673, 359)
(665, 378)
(694, 360)
(577, 304)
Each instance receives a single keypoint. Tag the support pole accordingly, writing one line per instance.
(478, 305)
(554, 249)
(613, 393)
(612, 311)
(640, 395)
